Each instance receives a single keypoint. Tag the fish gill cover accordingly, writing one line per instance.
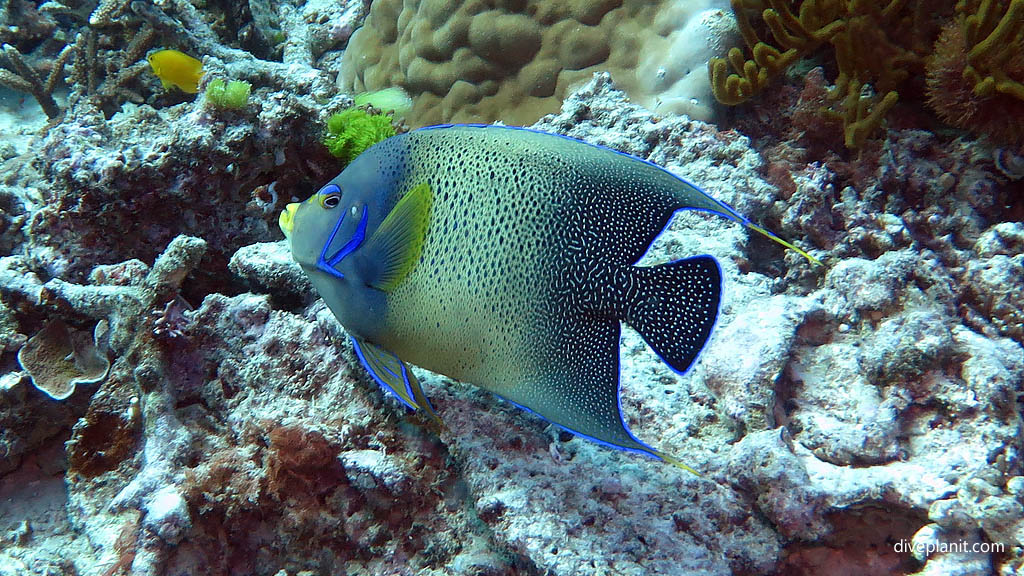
(857, 417)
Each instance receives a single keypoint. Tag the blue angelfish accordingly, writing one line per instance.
(506, 258)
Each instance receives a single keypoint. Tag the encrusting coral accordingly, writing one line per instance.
(58, 359)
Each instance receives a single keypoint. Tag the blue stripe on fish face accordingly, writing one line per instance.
(328, 264)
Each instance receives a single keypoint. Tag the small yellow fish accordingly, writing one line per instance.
(175, 68)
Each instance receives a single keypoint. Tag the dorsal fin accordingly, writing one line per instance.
(770, 235)
(398, 241)
(694, 198)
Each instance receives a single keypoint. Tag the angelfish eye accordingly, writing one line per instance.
(330, 196)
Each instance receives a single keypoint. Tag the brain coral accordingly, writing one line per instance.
(513, 60)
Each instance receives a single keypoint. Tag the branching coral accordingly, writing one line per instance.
(108, 80)
(878, 48)
(22, 78)
(108, 53)
(107, 11)
(123, 294)
(995, 39)
(797, 34)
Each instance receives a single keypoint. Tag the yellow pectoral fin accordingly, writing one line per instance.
(398, 242)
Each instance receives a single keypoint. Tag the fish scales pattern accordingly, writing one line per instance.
(526, 271)
(506, 258)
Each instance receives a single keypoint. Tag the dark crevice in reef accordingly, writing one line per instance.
(869, 541)
(765, 255)
(293, 302)
(212, 280)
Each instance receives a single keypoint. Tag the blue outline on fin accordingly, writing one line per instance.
(405, 379)
(730, 214)
(647, 449)
(714, 325)
(405, 376)
(669, 223)
(430, 405)
(327, 265)
(381, 383)
(651, 452)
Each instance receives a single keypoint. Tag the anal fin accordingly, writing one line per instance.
(577, 386)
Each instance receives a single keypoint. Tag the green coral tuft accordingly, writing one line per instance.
(353, 130)
(233, 95)
(393, 100)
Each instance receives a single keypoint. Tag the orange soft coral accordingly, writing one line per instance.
(878, 47)
(976, 72)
